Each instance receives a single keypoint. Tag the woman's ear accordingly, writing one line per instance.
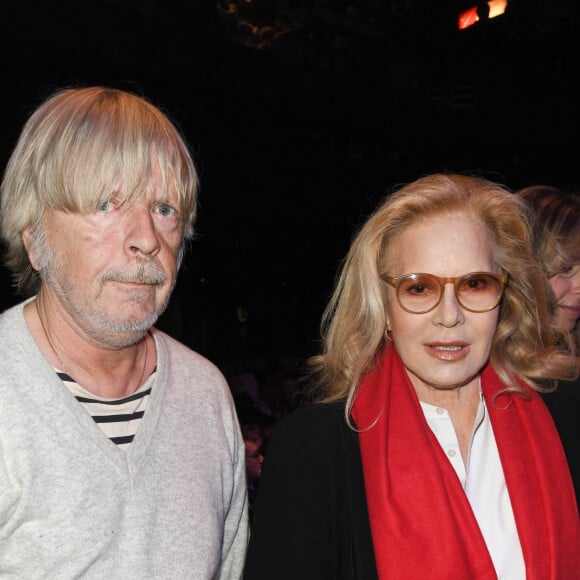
(387, 317)
(388, 329)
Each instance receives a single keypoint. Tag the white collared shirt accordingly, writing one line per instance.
(484, 483)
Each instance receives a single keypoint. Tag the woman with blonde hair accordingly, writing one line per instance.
(557, 241)
(428, 452)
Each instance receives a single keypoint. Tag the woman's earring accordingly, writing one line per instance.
(389, 335)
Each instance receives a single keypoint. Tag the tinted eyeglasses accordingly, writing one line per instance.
(421, 293)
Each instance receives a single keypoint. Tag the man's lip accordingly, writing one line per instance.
(135, 284)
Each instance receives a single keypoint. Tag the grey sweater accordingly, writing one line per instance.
(73, 505)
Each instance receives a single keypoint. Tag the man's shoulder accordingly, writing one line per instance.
(12, 316)
(174, 346)
(13, 329)
(179, 356)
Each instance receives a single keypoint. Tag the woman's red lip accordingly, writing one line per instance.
(447, 351)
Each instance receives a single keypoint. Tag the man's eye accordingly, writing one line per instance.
(105, 206)
(166, 210)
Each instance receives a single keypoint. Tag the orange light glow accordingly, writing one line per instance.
(496, 7)
(470, 17)
(467, 18)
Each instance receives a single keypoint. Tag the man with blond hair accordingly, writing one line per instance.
(120, 451)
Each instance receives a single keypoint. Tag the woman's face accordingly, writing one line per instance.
(566, 290)
(448, 346)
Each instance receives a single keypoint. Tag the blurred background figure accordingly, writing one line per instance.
(254, 439)
(557, 239)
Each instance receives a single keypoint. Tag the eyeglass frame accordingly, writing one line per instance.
(395, 282)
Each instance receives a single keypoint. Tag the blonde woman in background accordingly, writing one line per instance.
(557, 238)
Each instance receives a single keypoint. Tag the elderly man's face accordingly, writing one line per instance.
(113, 270)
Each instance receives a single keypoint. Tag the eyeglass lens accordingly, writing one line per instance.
(478, 292)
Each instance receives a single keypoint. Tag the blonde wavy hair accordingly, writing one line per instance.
(74, 151)
(556, 232)
(354, 322)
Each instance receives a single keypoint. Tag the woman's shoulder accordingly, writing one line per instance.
(311, 444)
(314, 416)
(313, 425)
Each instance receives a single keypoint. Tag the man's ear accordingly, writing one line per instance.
(30, 246)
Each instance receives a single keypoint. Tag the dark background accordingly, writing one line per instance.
(302, 115)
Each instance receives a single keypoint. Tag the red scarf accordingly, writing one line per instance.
(421, 521)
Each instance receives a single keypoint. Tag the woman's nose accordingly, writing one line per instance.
(448, 312)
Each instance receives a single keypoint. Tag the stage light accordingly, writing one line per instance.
(471, 16)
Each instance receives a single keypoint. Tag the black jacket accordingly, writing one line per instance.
(311, 520)
(564, 404)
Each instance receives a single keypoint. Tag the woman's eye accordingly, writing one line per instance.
(570, 271)
(476, 284)
(419, 289)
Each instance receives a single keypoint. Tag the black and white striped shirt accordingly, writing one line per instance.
(118, 418)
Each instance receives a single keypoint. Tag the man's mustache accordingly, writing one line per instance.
(139, 273)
